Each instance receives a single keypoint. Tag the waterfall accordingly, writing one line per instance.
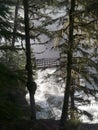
(49, 98)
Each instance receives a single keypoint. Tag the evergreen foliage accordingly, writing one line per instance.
(80, 57)
(84, 46)
(4, 21)
(12, 95)
(12, 75)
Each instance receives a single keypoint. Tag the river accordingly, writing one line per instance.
(49, 98)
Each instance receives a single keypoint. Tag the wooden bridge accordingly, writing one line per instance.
(47, 63)
(40, 63)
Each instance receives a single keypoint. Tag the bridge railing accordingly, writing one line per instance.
(47, 62)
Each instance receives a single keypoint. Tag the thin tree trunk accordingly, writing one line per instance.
(72, 105)
(64, 115)
(15, 23)
(31, 85)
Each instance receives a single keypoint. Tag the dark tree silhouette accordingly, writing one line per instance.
(64, 115)
(31, 85)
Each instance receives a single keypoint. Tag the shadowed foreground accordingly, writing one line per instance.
(44, 124)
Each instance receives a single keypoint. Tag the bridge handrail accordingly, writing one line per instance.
(47, 62)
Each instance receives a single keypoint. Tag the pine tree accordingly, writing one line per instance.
(64, 115)
(84, 55)
(4, 21)
(31, 85)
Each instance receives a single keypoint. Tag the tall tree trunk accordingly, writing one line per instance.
(72, 105)
(31, 85)
(15, 23)
(64, 115)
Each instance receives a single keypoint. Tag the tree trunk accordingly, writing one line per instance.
(31, 85)
(64, 115)
(72, 105)
(15, 23)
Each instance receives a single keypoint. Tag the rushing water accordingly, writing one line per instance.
(49, 98)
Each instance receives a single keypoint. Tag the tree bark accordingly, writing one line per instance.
(31, 85)
(15, 23)
(72, 105)
(64, 115)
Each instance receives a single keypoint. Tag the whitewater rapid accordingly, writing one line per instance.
(49, 98)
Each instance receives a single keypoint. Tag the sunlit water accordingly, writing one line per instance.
(49, 98)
